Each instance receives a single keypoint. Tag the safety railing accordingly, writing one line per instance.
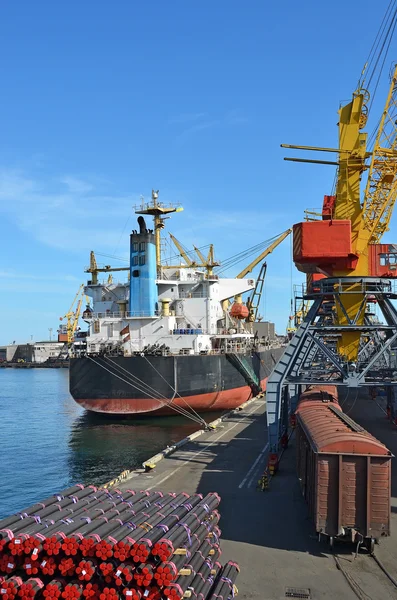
(192, 295)
(354, 285)
(119, 315)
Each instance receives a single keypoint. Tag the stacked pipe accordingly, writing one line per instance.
(94, 544)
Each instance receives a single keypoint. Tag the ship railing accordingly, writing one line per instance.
(192, 295)
(200, 330)
(177, 277)
(120, 315)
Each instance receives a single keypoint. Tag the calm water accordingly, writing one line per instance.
(47, 442)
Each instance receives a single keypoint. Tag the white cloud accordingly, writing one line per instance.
(77, 186)
(79, 219)
(83, 219)
(196, 122)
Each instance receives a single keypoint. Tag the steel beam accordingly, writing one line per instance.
(312, 358)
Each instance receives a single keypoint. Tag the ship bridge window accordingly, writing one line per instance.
(135, 260)
(142, 259)
(142, 246)
(135, 273)
(135, 246)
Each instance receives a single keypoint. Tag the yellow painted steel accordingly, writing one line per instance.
(263, 255)
(199, 254)
(352, 155)
(381, 189)
(94, 269)
(208, 263)
(370, 219)
(73, 315)
(182, 252)
(159, 212)
(353, 311)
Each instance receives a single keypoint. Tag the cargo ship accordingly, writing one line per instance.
(173, 336)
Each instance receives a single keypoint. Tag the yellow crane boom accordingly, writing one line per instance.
(182, 252)
(209, 263)
(94, 269)
(199, 254)
(72, 315)
(381, 189)
(263, 255)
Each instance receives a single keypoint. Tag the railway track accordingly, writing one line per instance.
(367, 576)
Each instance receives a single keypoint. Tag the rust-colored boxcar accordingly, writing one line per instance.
(344, 473)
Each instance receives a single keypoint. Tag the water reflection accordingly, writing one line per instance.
(102, 446)
(48, 442)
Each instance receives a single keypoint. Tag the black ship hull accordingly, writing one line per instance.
(149, 384)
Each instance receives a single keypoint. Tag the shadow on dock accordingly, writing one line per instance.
(276, 518)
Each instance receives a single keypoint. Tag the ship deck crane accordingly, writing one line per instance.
(208, 263)
(94, 269)
(263, 254)
(178, 245)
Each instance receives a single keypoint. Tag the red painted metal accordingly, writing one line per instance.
(323, 245)
(319, 393)
(328, 207)
(326, 432)
(382, 260)
(213, 401)
(312, 280)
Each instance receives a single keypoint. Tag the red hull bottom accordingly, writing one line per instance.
(213, 401)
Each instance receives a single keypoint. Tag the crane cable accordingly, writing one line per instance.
(237, 258)
(163, 400)
(175, 392)
(368, 69)
(380, 48)
(179, 409)
(390, 34)
(225, 265)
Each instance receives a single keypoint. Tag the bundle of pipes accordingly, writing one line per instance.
(90, 544)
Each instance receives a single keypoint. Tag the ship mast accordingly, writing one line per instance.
(158, 210)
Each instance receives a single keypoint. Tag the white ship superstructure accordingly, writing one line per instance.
(190, 316)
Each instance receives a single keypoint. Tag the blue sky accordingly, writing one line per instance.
(103, 101)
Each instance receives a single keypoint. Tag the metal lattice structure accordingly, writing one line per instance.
(381, 189)
(312, 355)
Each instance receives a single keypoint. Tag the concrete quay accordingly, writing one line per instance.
(267, 533)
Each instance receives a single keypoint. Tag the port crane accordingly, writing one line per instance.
(343, 250)
(73, 314)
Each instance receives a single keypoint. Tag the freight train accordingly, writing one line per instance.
(344, 472)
